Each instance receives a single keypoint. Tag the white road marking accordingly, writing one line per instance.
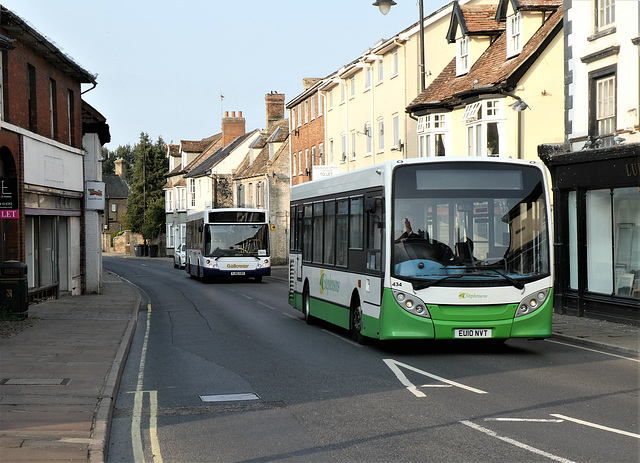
(594, 350)
(394, 366)
(519, 444)
(525, 420)
(342, 338)
(267, 305)
(597, 426)
(136, 419)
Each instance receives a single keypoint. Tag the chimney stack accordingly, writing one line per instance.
(232, 127)
(274, 102)
(121, 170)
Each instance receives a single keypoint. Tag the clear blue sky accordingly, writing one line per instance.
(162, 65)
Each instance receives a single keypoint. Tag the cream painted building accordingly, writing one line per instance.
(502, 93)
(364, 102)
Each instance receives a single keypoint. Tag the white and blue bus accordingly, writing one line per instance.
(436, 248)
(231, 242)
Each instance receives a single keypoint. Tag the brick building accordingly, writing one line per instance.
(306, 127)
(43, 160)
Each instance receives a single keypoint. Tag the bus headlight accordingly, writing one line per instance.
(411, 303)
(532, 302)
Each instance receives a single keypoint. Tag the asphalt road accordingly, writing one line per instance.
(229, 372)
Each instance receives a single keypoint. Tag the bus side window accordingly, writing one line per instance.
(375, 232)
(342, 232)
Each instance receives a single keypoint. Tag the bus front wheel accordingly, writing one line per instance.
(306, 304)
(356, 321)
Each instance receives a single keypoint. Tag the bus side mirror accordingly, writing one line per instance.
(370, 205)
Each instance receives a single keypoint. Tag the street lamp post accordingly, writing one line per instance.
(385, 6)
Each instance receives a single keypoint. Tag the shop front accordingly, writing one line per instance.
(597, 231)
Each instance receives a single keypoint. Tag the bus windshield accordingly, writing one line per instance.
(482, 225)
(236, 240)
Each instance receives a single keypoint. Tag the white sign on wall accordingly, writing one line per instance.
(319, 172)
(94, 194)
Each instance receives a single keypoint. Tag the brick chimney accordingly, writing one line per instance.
(308, 82)
(274, 102)
(121, 170)
(232, 127)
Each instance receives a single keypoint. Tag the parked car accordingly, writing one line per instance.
(180, 256)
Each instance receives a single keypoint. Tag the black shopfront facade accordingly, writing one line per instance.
(596, 197)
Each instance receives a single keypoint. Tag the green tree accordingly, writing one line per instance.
(146, 197)
(109, 162)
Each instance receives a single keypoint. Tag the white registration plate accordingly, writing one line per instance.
(473, 333)
(235, 274)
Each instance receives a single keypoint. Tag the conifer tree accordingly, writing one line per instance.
(146, 196)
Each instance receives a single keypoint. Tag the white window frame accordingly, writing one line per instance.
(352, 87)
(353, 144)
(514, 34)
(168, 200)
(320, 104)
(299, 118)
(395, 122)
(380, 135)
(294, 164)
(368, 133)
(606, 105)
(368, 78)
(462, 55)
(343, 140)
(182, 199)
(300, 162)
(313, 156)
(312, 109)
(321, 154)
(114, 207)
(306, 111)
(434, 127)
(330, 158)
(343, 91)
(605, 11)
(380, 70)
(192, 192)
(395, 64)
(306, 161)
(170, 238)
(330, 100)
(478, 119)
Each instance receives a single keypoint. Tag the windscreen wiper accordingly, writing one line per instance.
(422, 284)
(513, 281)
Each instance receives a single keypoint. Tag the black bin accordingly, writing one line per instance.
(139, 250)
(153, 250)
(14, 296)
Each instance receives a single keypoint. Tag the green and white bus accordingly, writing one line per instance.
(435, 248)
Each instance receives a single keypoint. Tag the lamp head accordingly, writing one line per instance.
(384, 5)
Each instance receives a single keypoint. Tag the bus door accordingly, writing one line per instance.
(374, 222)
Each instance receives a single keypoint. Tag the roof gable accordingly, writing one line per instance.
(491, 73)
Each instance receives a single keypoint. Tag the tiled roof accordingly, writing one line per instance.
(216, 156)
(174, 151)
(491, 73)
(277, 133)
(181, 182)
(481, 19)
(198, 146)
(259, 166)
(115, 187)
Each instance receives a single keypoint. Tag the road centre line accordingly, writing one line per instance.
(597, 426)
(593, 350)
(519, 444)
(394, 366)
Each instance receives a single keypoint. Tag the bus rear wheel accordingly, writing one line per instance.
(356, 322)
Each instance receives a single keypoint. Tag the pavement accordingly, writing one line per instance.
(59, 378)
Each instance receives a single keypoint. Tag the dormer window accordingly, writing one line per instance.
(514, 35)
(462, 55)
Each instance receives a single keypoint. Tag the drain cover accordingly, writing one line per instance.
(35, 381)
(229, 397)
